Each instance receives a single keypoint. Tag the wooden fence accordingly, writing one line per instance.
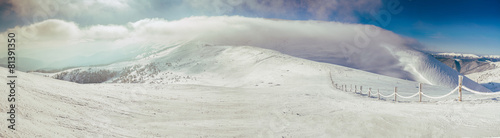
(421, 94)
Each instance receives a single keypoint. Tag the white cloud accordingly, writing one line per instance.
(53, 30)
(91, 12)
(27, 8)
(106, 32)
(32, 11)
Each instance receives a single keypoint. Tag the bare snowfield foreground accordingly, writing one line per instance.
(48, 107)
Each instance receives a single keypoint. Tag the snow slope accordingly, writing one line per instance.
(303, 105)
(488, 78)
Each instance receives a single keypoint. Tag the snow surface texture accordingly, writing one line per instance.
(364, 47)
(251, 104)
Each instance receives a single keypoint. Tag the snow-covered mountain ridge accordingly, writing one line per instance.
(482, 69)
(236, 66)
(493, 58)
(468, 65)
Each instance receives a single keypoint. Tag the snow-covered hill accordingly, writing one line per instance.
(201, 90)
(198, 63)
(282, 97)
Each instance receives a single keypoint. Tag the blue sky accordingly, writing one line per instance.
(464, 26)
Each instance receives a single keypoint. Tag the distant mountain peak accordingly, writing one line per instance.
(465, 56)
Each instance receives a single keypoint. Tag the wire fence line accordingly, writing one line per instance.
(421, 94)
(446, 95)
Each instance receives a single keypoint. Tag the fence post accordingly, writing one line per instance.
(420, 91)
(396, 94)
(361, 90)
(378, 92)
(355, 88)
(460, 78)
(331, 79)
(369, 92)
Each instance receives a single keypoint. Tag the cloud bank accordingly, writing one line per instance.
(90, 12)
